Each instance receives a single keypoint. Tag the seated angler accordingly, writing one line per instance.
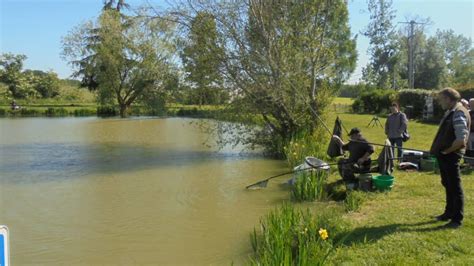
(359, 156)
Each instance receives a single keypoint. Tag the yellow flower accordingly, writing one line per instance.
(296, 144)
(323, 234)
(305, 229)
(302, 146)
(294, 153)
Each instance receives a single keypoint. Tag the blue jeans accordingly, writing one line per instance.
(399, 143)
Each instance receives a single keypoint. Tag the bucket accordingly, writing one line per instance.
(383, 182)
(365, 182)
(428, 164)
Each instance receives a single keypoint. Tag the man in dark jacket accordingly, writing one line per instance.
(359, 156)
(448, 146)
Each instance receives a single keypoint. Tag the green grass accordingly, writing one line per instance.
(397, 227)
(340, 100)
(394, 227)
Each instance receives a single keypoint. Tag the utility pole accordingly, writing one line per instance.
(411, 53)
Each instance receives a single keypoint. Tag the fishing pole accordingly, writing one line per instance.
(263, 183)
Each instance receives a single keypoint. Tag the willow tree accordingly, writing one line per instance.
(280, 59)
(123, 58)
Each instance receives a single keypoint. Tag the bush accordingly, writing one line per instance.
(107, 110)
(85, 112)
(376, 101)
(30, 112)
(3, 112)
(56, 112)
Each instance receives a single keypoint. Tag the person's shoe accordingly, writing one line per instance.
(453, 225)
(443, 217)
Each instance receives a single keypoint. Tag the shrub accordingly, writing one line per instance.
(85, 112)
(56, 112)
(376, 101)
(29, 112)
(107, 110)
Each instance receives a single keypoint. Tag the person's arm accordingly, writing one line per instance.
(364, 158)
(386, 126)
(338, 140)
(403, 123)
(460, 130)
(369, 149)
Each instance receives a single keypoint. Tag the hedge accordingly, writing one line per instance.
(376, 101)
(412, 101)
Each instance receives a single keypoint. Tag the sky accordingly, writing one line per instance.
(35, 27)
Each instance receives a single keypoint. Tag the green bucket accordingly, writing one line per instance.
(383, 182)
(428, 164)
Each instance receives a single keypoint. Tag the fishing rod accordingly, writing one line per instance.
(263, 183)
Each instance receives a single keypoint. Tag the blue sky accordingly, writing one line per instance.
(35, 27)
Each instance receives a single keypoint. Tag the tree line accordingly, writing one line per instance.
(275, 64)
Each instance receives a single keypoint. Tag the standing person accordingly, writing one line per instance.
(448, 147)
(359, 157)
(395, 126)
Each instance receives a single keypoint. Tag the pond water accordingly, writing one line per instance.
(128, 191)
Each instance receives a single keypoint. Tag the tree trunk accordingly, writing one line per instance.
(124, 110)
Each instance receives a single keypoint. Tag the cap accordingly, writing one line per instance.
(354, 131)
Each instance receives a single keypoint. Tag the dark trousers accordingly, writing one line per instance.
(399, 143)
(348, 169)
(451, 181)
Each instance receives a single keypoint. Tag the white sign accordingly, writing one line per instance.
(4, 246)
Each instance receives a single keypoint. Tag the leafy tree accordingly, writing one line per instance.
(430, 66)
(11, 73)
(201, 58)
(279, 58)
(459, 56)
(383, 46)
(123, 58)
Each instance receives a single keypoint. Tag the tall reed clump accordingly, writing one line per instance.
(293, 237)
(310, 186)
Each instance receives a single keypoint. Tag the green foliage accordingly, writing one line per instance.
(107, 110)
(416, 99)
(310, 186)
(124, 58)
(278, 59)
(383, 46)
(201, 57)
(459, 56)
(376, 101)
(431, 66)
(354, 200)
(354, 90)
(56, 112)
(291, 237)
(29, 83)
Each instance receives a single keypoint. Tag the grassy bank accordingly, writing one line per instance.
(393, 228)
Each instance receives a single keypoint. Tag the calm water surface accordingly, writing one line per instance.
(132, 191)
